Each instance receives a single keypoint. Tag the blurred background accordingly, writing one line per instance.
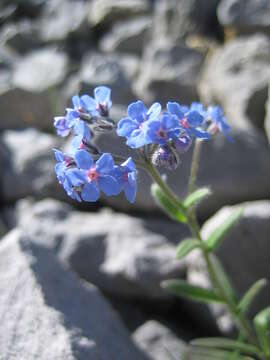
(215, 51)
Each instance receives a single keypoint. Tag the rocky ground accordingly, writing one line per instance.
(83, 281)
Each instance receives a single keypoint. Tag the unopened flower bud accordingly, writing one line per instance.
(164, 156)
(182, 144)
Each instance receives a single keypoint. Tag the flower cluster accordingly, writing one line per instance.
(156, 136)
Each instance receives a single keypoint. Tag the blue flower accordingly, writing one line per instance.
(94, 176)
(100, 104)
(219, 123)
(63, 169)
(163, 129)
(126, 177)
(61, 125)
(82, 137)
(133, 127)
(189, 120)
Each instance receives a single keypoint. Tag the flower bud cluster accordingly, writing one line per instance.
(160, 137)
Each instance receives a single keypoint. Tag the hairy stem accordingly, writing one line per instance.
(194, 165)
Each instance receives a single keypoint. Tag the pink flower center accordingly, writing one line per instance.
(184, 123)
(162, 134)
(92, 174)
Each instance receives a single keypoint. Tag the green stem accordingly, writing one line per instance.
(194, 166)
(242, 322)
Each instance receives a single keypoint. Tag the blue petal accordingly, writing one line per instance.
(131, 187)
(76, 101)
(194, 118)
(175, 109)
(90, 192)
(169, 122)
(138, 139)
(105, 164)
(88, 103)
(83, 159)
(137, 111)
(109, 185)
(154, 111)
(77, 177)
(83, 130)
(103, 95)
(129, 163)
(199, 134)
(59, 155)
(126, 126)
(197, 106)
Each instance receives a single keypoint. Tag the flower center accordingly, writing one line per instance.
(102, 109)
(125, 176)
(162, 134)
(184, 123)
(92, 174)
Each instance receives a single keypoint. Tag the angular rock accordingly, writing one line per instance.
(103, 12)
(29, 165)
(122, 255)
(128, 36)
(47, 313)
(32, 94)
(177, 19)
(246, 16)
(107, 70)
(244, 252)
(21, 37)
(237, 77)
(167, 71)
(225, 167)
(60, 19)
(159, 342)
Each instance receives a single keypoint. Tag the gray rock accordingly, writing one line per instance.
(267, 118)
(60, 19)
(21, 37)
(237, 77)
(167, 70)
(33, 89)
(177, 19)
(107, 70)
(47, 313)
(246, 16)
(244, 252)
(29, 164)
(159, 342)
(128, 36)
(122, 255)
(222, 164)
(107, 11)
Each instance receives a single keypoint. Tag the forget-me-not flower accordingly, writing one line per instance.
(189, 121)
(100, 104)
(163, 129)
(127, 178)
(133, 127)
(94, 176)
(219, 123)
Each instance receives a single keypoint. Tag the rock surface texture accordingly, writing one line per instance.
(46, 313)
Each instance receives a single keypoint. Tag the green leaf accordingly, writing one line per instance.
(193, 292)
(166, 205)
(186, 246)
(250, 295)
(219, 233)
(203, 353)
(196, 197)
(225, 343)
(223, 278)
(262, 326)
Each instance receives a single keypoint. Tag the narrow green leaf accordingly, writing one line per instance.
(165, 204)
(186, 246)
(193, 292)
(219, 233)
(223, 277)
(250, 295)
(262, 326)
(196, 197)
(204, 353)
(225, 343)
